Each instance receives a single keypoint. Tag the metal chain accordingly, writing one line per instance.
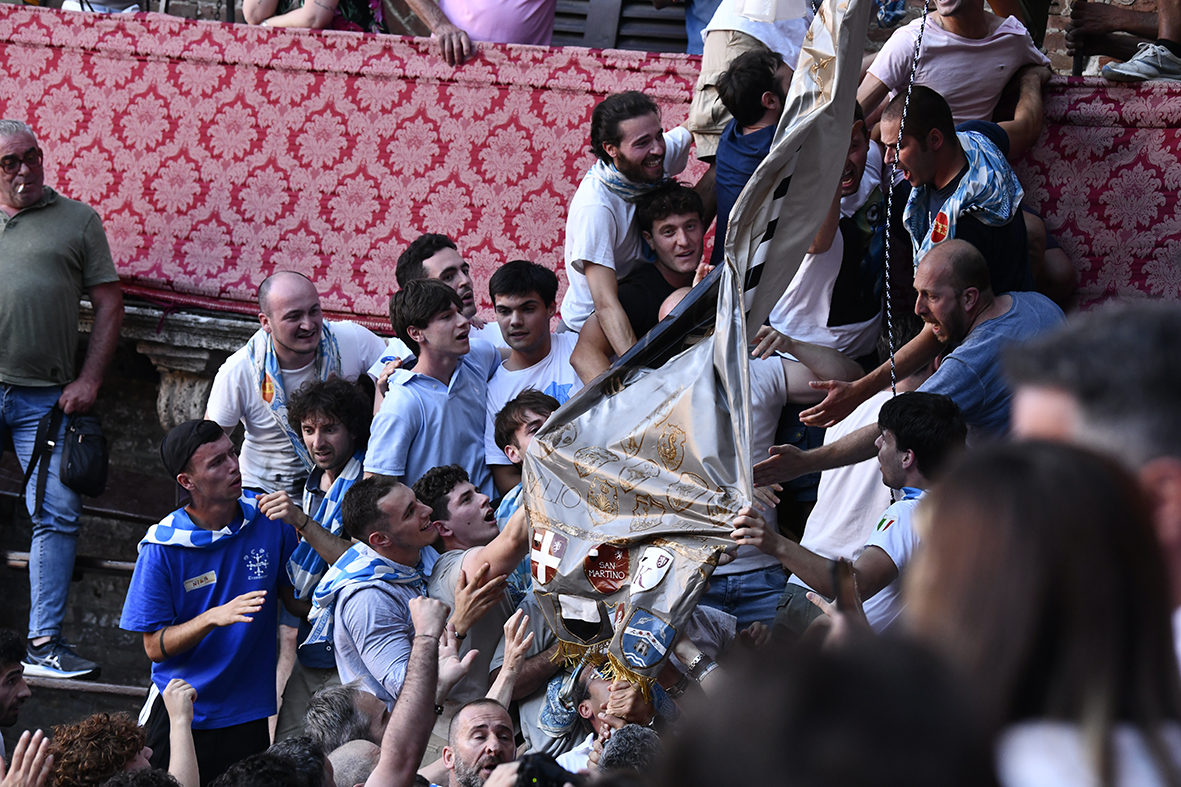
(914, 65)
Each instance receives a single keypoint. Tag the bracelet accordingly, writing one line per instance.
(438, 709)
(692, 665)
(427, 636)
(707, 668)
(460, 637)
(163, 651)
(678, 688)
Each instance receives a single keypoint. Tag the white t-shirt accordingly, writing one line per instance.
(578, 759)
(768, 395)
(268, 459)
(969, 73)
(552, 375)
(849, 500)
(396, 348)
(601, 228)
(783, 35)
(895, 535)
(1055, 754)
(803, 310)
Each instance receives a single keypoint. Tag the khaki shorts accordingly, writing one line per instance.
(707, 115)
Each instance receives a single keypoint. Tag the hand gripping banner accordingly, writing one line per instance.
(631, 486)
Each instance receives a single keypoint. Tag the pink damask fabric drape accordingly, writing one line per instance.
(218, 153)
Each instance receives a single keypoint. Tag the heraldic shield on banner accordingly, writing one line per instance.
(631, 486)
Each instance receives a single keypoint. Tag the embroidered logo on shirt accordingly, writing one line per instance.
(208, 578)
(257, 563)
(886, 522)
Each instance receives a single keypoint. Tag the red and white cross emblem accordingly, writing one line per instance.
(548, 549)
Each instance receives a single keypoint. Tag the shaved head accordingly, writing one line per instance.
(284, 283)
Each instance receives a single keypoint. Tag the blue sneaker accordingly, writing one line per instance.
(55, 659)
(1151, 62)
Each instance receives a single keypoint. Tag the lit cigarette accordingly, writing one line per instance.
(20, 189)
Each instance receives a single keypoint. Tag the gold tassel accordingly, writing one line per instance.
(618, 670)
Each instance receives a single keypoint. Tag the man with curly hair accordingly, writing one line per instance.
(333, 418)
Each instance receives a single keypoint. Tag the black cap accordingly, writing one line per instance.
(183, 441)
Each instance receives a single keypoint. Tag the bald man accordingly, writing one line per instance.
(956, 300)
(294, 345)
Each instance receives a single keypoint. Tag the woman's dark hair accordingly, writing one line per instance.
(1043, 580)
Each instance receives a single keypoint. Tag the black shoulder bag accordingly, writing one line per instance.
(84, 456)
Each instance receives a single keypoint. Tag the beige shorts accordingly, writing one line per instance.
(707, 115)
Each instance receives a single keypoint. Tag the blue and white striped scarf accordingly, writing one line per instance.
(306, 567)
(989, 191)
(359, 565)
(270, 380)
(178, 529)
(620, 185)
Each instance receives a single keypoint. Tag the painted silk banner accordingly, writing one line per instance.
(218, 153)
(631, 486)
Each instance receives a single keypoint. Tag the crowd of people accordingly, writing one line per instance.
(982, 586)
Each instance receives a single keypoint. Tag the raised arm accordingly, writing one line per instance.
(873, 569)
(1026, 125)
(592, 352)
(843, 398)
(505, 551)
(280, 507)
(182, 760)
(613, 319)
(173, 640)
(788, 462)
(410, 726)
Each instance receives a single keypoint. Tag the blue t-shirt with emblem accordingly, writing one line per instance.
(233, 667)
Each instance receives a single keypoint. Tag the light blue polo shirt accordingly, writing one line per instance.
(423, 423)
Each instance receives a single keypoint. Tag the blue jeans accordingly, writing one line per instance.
(749, 596)
(55, 530)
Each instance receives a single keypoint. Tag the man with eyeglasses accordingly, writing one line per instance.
(51, 249)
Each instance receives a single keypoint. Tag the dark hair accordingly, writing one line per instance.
(332, 717)
(261, 770)
(671, 199)
(1026, 543)
(859, 115)
(631, 748)
(409, 266)
(1122, 365)
(145, 777)
(308, 757)
(612, 111)
(12, 648)
(434, 487)
(512, 416)
(520, 278)
(359, 512)
(93, 750)
(883, 713)
(928, 112)
(335, 399)
(264, 288)
(471, 704)
(929, 424)
(417, 303)
(742, 85)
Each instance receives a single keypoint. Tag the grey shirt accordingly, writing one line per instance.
(373, 636)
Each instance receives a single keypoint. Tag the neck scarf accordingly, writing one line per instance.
(618, 184)
(270, 380)
(988, 191)
(178, 529)
(306, 567)
(360, 565)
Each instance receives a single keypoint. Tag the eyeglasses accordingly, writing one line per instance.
(12, 164)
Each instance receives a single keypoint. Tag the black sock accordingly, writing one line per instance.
(1172, 46)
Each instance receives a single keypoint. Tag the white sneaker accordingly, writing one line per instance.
(1152, 61)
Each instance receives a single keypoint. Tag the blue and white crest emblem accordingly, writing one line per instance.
(646, 639)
